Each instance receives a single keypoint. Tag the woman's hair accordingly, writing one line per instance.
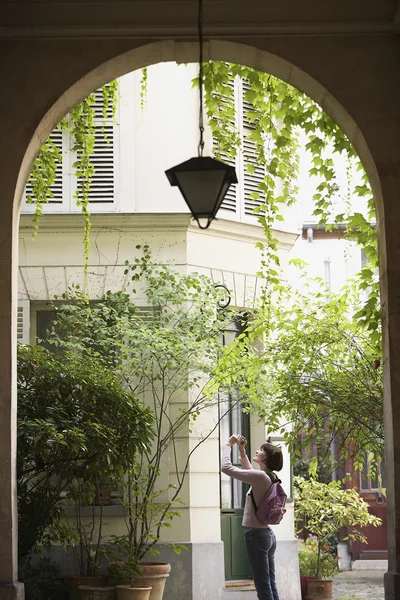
(274, 460)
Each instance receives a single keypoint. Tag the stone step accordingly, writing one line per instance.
(368, 565)
(239, 590)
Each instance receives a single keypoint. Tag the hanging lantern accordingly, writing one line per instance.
(203, 181)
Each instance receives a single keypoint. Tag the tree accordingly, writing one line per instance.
(317, 374)
(165, 350)
(76, 422)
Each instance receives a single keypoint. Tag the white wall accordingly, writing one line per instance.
(166, 134)
(334, 260)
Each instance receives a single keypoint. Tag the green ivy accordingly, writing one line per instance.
(41, 179)
(83, 132)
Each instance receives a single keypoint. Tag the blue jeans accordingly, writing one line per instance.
(260, 548)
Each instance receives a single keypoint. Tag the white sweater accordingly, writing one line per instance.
(259, 480)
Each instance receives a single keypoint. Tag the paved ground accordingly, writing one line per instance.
(359, 585)
(350, 585)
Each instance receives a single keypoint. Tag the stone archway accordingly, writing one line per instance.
(380, 167)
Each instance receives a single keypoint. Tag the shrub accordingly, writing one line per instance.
(43, 581)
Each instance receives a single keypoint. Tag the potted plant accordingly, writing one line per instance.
(124, 573)
(322, 509)
(309, 556)
(95, 592)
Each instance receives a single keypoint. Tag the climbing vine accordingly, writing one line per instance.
(81, 124)
(83, 134)
(278, 114)
(41, 179)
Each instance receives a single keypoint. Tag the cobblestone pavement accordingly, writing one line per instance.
(359, 585)
(349, 585)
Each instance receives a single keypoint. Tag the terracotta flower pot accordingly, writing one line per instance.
(125, 592)
(154, 575)
(89, 592)
(304, 585)
(74, 581)
(319, 588)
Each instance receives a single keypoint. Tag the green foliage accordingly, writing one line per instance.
(83, 132)
(322, 509)
(41, 179)
(323, 471)
(76, 422)
(110, 98)
(43, 581)
(122, 572)
(310, 559)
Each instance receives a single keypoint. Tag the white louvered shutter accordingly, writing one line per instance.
(251, 180)
(230, 202)
(23, 322)
(102, 189)
(56, 199)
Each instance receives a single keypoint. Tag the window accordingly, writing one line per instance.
(373, 481)
(23, 322)
(232, 421)
(104, 193)
(239, 202)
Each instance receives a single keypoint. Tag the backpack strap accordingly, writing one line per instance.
(274, 478)
(253, 501)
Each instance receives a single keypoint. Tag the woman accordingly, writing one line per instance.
(259, 539)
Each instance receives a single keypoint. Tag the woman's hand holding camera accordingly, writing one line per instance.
(238, 439)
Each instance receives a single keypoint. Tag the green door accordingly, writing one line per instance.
(236, 566)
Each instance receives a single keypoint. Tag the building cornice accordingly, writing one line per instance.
(108, 221)
(57, 223)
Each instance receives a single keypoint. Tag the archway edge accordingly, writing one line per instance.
(184, 52)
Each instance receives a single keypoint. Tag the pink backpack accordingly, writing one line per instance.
(272, 507)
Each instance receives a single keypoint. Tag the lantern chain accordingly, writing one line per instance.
(201, 119)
